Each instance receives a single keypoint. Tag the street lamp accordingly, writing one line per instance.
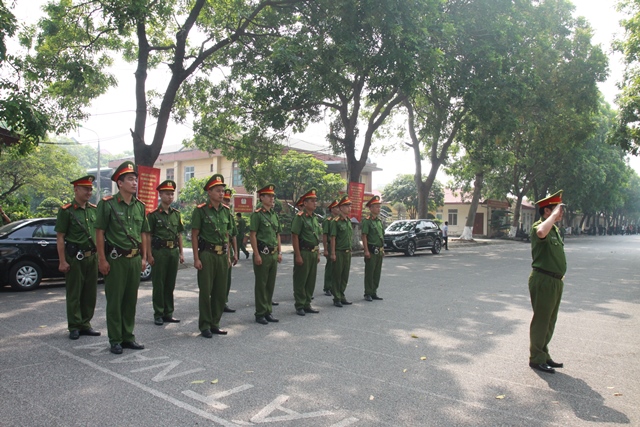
(98, 172)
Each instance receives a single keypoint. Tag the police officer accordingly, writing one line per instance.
(333, 211)
(166, 251)
(76, 233)
(341, 233)
(545, 282)
(373, 242)
(122, 227)
(211, 225)
(241, 225)
(264, 234)
(305, 238)
(234, 249)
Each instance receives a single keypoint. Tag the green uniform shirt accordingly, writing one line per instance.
(73, 233)
(266, 225)
(132, 216)
(548, 253)
(326, 224)
(307, 228)
(165, 226)
(372, 227)
(242, 226)
(342, 230)
(214, 225)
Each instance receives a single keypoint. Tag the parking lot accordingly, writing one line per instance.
(448, 346)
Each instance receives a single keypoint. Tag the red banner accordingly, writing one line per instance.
(148, 180)
(243, 204)
(356, 195)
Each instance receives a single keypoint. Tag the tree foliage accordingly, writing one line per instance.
(403, 190)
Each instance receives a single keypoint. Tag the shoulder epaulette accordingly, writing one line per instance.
(225, 206)
(67, 206)
(143, 203)
(300, 213)
(107, 198)
(92, 205)
(335, 219)
(202, 205)
(368, 217)
(258, 210)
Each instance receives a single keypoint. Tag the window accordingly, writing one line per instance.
(453, 216)
(170, 174)
(236, 178)
(189, 172)
(211, 168)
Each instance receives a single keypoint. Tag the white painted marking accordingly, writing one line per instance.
(212, 399)
(162, 375)
(276, 404)
(99, 348)
(344, 423)
(138, 356)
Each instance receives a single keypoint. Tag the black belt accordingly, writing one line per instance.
(304, 246)
(375, 249)
(343, 250)
(549, 273)
(116, 252)
(263, 248)
(74, 251)
(159, 244)
(216, 249)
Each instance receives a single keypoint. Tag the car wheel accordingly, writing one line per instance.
(146, 273)
(437, 247)
(411, 248)
(25, 276)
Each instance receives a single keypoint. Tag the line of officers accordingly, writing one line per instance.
(117, 239)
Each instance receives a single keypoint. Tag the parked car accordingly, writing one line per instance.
(411, 235)
(28, 254)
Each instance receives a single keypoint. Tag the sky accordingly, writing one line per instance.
(112, 115)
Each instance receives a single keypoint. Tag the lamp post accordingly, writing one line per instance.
(98, 169)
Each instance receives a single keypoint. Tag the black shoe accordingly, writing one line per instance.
(328, 293)
(261, 320)
(132, 345)
(116, 349)
(171, 319)
(345, 302)
(310, 310)
(368, 298)
(246, 255)
(337, 303)
(553, 364)
(376, 297)
(228, 309)
(269, 317)
(206, 333)
(218, 331)
(275, 303)
(542, 367)
(158, 321)
(90, 332)
(300, 312)
(74, 335)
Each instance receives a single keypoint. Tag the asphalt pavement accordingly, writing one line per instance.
(448, 346)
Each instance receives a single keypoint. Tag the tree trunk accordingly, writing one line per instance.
(516, 216)
(467, 233)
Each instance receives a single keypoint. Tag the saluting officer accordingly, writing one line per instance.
(234, 248)
(341, 233)
(305, 238)
(122, 233)
(76, 232)
(373, 242)
(549, 266)
(333, 211)
(264, 235)
(166, 251)
(211, 225)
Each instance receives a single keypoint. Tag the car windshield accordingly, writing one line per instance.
(401, 226)
(8, 228)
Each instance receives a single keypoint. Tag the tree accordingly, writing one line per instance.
(403, 190)
(191, 195)
(77, 41)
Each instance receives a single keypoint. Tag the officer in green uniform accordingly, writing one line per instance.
(341, 233)
(76, 232)
(373, 242)
(165, 253)
(264, 234)
(122, 234)
(305, 238)
(233, 247)
(241, 225)
(333, 211)
(545, 282)
(211, 225)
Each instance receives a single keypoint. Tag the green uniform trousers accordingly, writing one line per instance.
(341, 269)
(212, 282)
(545, 292)
(241, 246)
(372, 270)
(82, 289)
(121, 289)
(328, 275)
(163, 276)
(304, 279)
(265, 283)
(226, 299)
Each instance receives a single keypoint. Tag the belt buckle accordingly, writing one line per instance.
(170, 244)
(134, 252)
(80, 256)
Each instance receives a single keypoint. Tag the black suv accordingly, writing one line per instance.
(28, 253)
(411, 235)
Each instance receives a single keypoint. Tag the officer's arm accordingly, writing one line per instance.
(545, 227)
(365, 244)
(63, 266)
(194, 242)
(146, 242)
